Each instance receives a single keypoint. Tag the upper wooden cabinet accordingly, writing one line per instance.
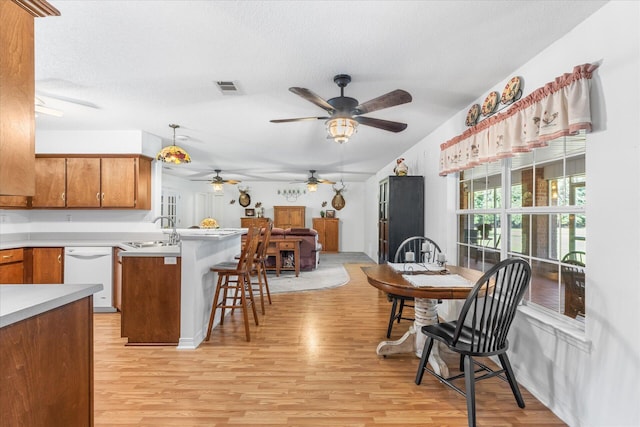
(328, 233)
(289, 216)
(93, 182)
(17, 95)
(50, 183)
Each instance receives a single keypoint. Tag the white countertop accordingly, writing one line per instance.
(20, 302)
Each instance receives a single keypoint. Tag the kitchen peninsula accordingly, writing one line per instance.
(199, 250)
(46, 356)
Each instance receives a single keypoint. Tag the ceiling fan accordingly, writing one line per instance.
(217, 181)
(41, 108)
(313, 181)
(345, 113)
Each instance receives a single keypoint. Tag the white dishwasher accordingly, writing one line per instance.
(88, 265)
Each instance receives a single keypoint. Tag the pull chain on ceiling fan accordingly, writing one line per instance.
(345, 113)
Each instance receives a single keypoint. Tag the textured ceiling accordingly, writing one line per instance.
(146, 64)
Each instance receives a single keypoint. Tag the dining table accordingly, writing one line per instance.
(427, 284)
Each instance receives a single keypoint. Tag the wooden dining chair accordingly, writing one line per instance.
(422, 250)
(235, 278)
(481, 331)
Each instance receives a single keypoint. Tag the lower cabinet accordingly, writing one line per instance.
(47, 265)
(12, 270)
(328, 233)
(150, 300)
(46, 368)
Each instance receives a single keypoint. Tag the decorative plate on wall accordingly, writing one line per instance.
(490, 103)
(512, 91)
(472, 115)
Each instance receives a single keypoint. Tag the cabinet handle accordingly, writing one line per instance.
(98, 196)
(62, 196)
(102, 196)
(7, 256)
(59, 259)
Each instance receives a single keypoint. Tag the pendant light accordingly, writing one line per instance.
(173, 153)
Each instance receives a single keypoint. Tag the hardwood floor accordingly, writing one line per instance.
(311, 362)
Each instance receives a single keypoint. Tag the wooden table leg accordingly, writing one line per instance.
(426, 313)
(296, 257)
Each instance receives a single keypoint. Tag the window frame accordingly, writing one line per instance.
(504, 213)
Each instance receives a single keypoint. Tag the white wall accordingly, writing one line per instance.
(589, 378)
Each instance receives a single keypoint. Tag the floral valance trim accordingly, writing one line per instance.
(559, 108)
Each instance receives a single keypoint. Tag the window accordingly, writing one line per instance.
(544, 220)
(169, 208)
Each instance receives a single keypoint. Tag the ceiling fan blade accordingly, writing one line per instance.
(231, 181)
(391, 99)
(313, 98)
(39, 108)
(381, 124)
(299, 119)
(325, 181)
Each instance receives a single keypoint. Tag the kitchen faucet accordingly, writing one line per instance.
(174, 237)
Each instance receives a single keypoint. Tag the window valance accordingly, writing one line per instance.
(559, 108)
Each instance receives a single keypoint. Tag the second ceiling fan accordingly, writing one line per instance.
(345, 113)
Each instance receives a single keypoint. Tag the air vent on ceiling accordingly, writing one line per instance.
(227, 87)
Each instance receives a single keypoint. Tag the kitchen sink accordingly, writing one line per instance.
(151, 244)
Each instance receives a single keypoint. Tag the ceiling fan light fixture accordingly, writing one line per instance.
(312, 187)
(217, 187)
(340, 129)
(173, 153)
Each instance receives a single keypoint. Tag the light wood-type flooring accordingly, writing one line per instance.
(311, 362)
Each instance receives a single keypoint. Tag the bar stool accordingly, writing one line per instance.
(260, 267)
(236, 278)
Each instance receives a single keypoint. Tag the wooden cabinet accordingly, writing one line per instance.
(51, 180)
(93, 182)
(83, 182)
(46, 367)
(12, 266)
(400, 213)
(47, 265)
(247, 222)
(289, 216)
(17, 94)
(14, 202)
(328, 233)
(151, 300)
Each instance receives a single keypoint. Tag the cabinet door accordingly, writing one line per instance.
(50, 183)
(83, 182)
(280, 217)
(118, 181)
(296, 217)
(47, 265)
(331, 235)
(17, 117)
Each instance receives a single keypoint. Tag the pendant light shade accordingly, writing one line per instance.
(340, 129)
(173, 153)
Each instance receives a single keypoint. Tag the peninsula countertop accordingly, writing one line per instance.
(20, 302)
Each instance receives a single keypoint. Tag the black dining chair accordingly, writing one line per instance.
(481, 330)
(421, 250)
(573, 277)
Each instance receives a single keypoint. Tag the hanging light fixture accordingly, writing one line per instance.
(217, 187)
(312, 186)
(340, 129)
(173, 153)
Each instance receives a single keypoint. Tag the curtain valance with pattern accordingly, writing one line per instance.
(559, 108)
